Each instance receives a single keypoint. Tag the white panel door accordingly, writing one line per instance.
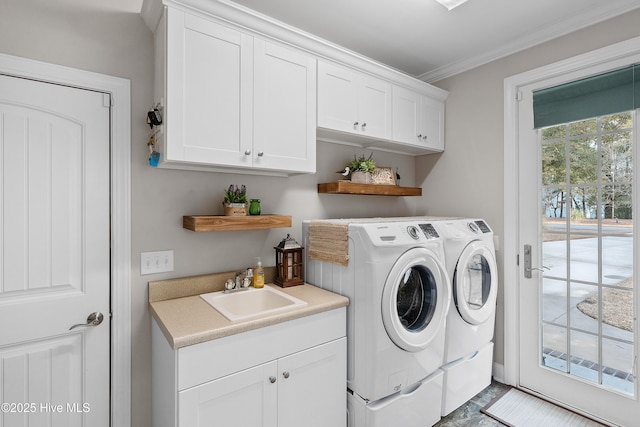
(54, 254)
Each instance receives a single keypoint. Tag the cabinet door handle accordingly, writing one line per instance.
(247, 152)
(285, 374)
(272, 379)
(261, 153)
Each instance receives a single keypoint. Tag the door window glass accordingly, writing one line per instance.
(416, 298)
(587, 250)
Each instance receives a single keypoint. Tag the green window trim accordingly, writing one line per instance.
(608, 93)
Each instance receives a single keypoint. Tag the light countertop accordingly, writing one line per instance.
(186, 319)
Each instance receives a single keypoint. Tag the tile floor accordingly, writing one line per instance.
(469, 414)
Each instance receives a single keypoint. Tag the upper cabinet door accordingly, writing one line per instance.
(284, 108)
(337, 97)
(406, 106)
(209, 92)
(353, 102)
(418, 120)
(431, 121)
(374, 107)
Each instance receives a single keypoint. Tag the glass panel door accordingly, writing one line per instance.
(586, 296)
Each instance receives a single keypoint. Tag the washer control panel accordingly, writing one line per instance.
(400, 233)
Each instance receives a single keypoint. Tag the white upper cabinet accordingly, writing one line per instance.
(353, 102)
(235, 101)
(417, 120)
(244, 93)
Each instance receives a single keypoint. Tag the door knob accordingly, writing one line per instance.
(94, 319)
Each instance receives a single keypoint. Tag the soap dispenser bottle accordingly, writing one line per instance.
(258, 274)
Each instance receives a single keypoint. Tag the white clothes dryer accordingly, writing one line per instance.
(472, 268)
(398, 287)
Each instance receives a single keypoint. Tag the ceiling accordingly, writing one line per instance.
(423, 39)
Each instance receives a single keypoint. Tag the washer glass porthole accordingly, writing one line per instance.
(416, 298)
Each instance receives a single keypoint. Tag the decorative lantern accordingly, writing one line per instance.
(289, 263)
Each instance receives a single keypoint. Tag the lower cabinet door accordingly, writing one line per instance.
(247, 398)
(312, 387)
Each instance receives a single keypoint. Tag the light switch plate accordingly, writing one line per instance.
(156, 262)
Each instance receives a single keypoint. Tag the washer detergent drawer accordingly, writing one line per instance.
(416, 406)
(466, 377)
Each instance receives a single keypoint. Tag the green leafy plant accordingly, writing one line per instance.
(362, 164)
(235, 194)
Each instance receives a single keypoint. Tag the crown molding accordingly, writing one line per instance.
(557, 29)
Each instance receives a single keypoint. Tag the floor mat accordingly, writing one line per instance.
(518, 409)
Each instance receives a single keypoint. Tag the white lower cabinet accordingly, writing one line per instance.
(285, 375)
(305, 388)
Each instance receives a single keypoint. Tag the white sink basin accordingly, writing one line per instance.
(251, 302)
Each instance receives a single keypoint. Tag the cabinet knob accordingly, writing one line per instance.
(272, 379)
(355, 124)
(424, 137)
(364, 125)
(247, 152)
(261, 153)
(420, 136)
(285, 374)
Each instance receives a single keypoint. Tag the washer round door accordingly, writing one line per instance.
(475, 283)
(415, 299)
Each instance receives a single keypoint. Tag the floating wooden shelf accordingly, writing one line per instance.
(348, 187)
(227, 223)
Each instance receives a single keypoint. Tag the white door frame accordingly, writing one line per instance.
(120, 211)
(609, 57)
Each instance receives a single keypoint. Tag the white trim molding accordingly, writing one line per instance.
(120, 92)
(595, 62)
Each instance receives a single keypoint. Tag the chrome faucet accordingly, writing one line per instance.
(238, 284)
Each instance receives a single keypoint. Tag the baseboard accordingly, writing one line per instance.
(498, 372)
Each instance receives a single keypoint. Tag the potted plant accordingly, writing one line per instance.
(235, 200)
(361, 168)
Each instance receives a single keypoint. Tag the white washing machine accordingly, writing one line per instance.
(399, 293)
(471, 265)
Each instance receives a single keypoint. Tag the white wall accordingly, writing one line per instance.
(467, 179)
(109, 37)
